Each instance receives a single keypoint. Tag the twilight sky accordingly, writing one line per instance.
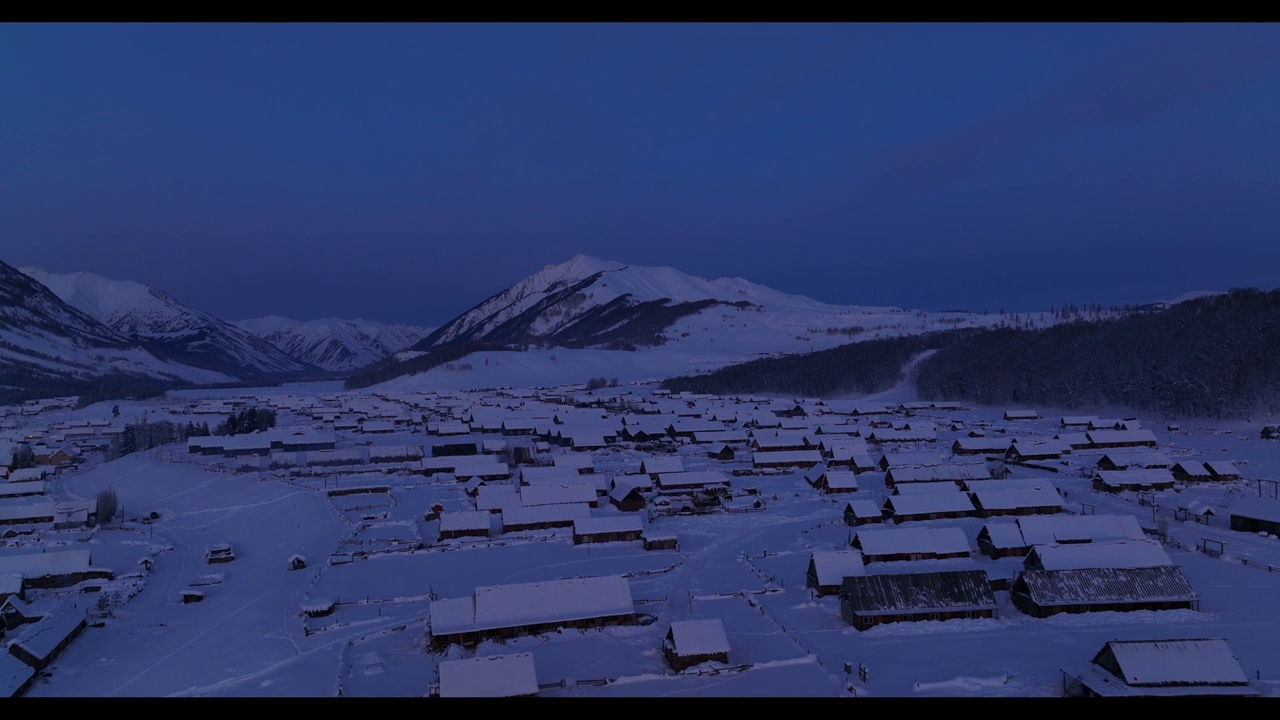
(406, 172)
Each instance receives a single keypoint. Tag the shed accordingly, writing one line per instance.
(690, 642)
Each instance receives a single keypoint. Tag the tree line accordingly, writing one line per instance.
(1217, 356)
(856, 368)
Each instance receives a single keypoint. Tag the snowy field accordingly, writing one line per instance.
(249, 636)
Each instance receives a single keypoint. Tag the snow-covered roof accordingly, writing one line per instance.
(1222, 467)
(1121, 436)
(935, 502)
(13, 674)
(833, 566)
(549, 475)
(464, 520)
(864, 508)
(1257, 508)
(664, 464)
(1014, 498)
(502, 606)
(560, 493)
(698, 637)
(536, 514)
(840, 479)
(493, 676)
(1050, 529)
(909, 540)
(1004, 534)
(1177, 662)
(42, 564)
(607, 524)
(1135, 478)
(1119, 554)
(42, 638)
(702, 478)
(497, 497)
(938, 473)
(787, 457)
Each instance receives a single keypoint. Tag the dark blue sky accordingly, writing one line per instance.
(406, 172)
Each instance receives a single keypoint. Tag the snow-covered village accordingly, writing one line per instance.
(639, 360)
(627, 541)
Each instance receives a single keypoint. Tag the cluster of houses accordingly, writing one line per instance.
(526, 462)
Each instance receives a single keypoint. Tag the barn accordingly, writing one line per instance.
(870, 600)
(1042, 593)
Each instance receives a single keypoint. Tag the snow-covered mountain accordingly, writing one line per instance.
(335, 344)
(587, 302)
(169, 328)
(45, 340)
(670, 322)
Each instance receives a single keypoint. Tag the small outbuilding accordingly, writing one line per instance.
(691, 642)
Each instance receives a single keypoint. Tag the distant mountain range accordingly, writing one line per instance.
(81, 333)
(335, 344)
(171, 329)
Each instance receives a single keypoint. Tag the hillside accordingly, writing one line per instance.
(169, 328)
(1214, 356)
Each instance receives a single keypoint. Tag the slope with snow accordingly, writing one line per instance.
(335, 344)
(645, 323)
(42, 338)
(168, 327)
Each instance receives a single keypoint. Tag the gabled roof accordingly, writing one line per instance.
(918, 592)
(907, 540)
(1050, 529)
(502, 606)
(692, 638)
(1116, 554)
(1050, 588)
(1175, 662)
(1256, 508)
(833, 566)
(934, 502)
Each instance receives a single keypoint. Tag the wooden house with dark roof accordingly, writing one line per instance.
(1042, 593)
(870, 600)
